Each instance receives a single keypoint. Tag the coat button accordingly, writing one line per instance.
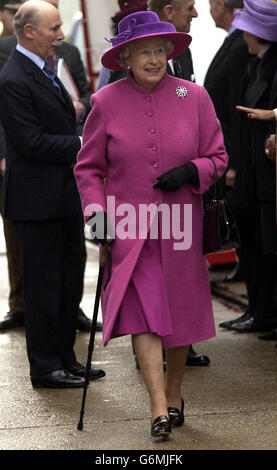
(156, 165)
(150, 114)
(152, 131)
(154, 149)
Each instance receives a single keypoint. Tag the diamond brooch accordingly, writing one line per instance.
(181, 91)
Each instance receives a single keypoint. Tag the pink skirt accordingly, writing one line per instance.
(144, 307)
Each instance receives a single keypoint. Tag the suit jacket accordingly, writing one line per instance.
(72, 58)
(186, 66)
(222, 81)
(39, 126)
(255, 174)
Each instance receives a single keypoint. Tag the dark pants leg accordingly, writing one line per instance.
(16, 298)
(247, 254)
(259, 269)
(265, 308)
(53, 280)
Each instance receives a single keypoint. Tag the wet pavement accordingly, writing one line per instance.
(229, 405)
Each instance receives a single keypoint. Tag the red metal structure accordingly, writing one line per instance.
(91, 73)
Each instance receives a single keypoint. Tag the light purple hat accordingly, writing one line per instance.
(258, 17)
(143, 24)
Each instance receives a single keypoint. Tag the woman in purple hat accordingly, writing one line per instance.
(149, 145)
(254, 193)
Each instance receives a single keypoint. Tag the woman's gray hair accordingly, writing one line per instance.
(125, 53)
(24, 17)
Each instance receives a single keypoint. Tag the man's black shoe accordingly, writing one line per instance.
(195, 359)
(84, 323)
(80, 371)
(57, 379)
(228, 324)
(13, 319)
(252, 325)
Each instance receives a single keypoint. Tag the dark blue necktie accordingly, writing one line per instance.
(51, 74)
(177, 68)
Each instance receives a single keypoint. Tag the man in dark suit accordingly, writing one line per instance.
(180, 13)
(224, 74)
(72, 58)
(255, 188)
(41, 197)
(15, 316)
(223, 82)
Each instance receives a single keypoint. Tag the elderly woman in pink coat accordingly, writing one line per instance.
(146, 160)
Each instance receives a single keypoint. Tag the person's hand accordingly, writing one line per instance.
(270, 148)
(260, 114)
(2, 166)
(175, 178)
(230, 177)
(79, 109)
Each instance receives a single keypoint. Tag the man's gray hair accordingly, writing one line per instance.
(158, 5)
(231, 4)
(23, 17)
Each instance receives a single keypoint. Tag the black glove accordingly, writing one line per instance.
(99, 227)
(173, 179)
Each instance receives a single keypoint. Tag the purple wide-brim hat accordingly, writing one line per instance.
(143, 24)
(258, 17)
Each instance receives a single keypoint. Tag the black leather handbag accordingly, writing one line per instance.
(220, 231)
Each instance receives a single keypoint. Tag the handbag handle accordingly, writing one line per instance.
(216, 183)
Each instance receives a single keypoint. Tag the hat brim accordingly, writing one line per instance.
(252, 25)
(180, 42)
(12, 6)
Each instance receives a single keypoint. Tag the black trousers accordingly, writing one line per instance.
(259, 266)
(16, 299)
(53, 267)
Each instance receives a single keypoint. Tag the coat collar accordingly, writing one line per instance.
(223, 50)
(266, 76)
(163, 83)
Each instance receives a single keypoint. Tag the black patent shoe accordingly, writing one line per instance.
(176, 416)
(196, 359)
(84, 323)
(13, 319)
(79, 370)
(161, 427)
(229, 324)
(57, 379)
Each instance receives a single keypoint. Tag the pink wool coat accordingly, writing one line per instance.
(130, 137)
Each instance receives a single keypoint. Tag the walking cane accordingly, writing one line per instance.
(102, 262)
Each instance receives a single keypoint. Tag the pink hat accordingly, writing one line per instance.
(140, 25)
